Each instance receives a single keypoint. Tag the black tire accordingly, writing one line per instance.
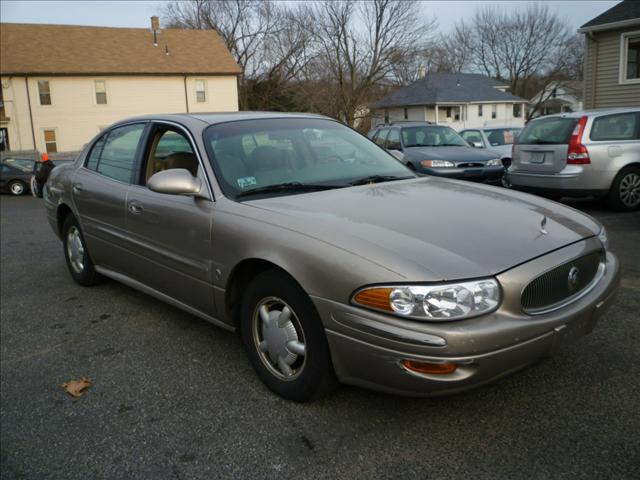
(87, 275)
(315, 376)
(616, 199)
(17, 187)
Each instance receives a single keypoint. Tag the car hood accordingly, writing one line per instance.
(453, 154)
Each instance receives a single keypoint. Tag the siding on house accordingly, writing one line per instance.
(602, 66)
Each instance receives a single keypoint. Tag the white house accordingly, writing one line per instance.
(557, 97)
(62, 84)
(460, 100)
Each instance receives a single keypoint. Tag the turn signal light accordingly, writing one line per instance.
(375, 298)
(431, 368)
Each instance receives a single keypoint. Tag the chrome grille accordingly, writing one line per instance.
(554, 288)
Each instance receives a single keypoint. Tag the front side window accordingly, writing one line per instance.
(502, 136)
(304, 152)
(622, 126)
(472, 136)
(50, 141)
(170, 149)
(117, 159)
(630, 59)
(44, 92)
(201, 91)
(101, 92)
(431, 136)
(393, 140)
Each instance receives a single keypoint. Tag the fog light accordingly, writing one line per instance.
(431, 368)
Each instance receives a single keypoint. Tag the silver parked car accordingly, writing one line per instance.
(498, 140)
(333, 260)
(581, 154)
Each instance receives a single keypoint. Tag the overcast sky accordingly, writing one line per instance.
(137, 13)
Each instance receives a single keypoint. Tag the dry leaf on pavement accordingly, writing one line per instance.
(75, 387)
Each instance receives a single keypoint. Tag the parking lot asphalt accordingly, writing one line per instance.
(174, 397)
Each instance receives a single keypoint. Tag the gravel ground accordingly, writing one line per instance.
(174, 397)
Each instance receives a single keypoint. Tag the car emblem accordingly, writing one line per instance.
(543, 224)
(573, 277)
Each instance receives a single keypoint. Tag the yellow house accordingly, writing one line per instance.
(62, 84)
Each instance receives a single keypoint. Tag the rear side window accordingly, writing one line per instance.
(548, 131)
(472, 136)
(621, 126)
(114, 155)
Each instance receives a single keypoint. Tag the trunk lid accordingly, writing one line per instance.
(543, 145)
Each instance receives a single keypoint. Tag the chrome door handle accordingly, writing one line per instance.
(135, 208)
(77, 188)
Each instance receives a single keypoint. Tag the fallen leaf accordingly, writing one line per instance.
(75, 387)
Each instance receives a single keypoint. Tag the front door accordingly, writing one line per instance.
(100, 192)
(171, 234)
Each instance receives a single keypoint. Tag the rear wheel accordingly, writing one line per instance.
(76, 254)
(17, 187)
(285, 339)
(625, 190)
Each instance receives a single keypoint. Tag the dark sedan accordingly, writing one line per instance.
(15, 174)
(438, 150)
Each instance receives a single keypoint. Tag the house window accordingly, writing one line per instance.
(494, 111)
(44, 92)
(201, 91)
(479, 110)
(517, 110)
(50, 141)
(101, 92)
(406, 113)
(630, 58)
(386, 116)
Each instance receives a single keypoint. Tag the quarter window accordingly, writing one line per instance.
(117, 159)
(44, 92)
(201, 91)
(50, 141)
(615, 127)
(380, 136)
(170, 149)
(101, 92)
(393, 140)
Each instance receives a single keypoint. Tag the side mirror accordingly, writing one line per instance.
(175, 181)
(477, 145)
(398, 154)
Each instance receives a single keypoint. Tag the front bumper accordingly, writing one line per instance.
(475, 174)
(367, 347)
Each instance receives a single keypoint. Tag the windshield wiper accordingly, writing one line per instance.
(288, 186)
(377, 179)
(450, 145)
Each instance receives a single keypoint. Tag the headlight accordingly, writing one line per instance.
(494, 162)
(602, 236)
(437, 163)
(449, 301)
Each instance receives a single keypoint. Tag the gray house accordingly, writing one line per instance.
(460, 100)
(612, 57)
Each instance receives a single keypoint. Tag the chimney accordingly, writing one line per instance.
(155, 26)
(422, 71)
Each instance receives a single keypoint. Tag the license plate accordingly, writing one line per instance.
(537, 157)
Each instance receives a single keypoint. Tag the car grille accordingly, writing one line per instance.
(467, 165)
(555, 289)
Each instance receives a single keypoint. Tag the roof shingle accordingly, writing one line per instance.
(448, 88)
(626, 10)
(78, 50)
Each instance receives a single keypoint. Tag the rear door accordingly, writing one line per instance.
(99, 193)
(170, 235)
(614, 140)
(543, 145)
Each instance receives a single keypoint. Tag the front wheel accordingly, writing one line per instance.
(16, 187)
(285, 339)
(625, 190)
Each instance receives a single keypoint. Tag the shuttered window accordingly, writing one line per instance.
(50, 141)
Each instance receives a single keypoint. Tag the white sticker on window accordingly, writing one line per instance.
(245, 182)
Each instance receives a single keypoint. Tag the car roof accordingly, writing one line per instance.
(211, 118)
(496, 127)
(594, 112)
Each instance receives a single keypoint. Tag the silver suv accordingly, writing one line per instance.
(581, 154)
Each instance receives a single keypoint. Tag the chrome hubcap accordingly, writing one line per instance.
(75, 249)
(630, 189)
(278, 338)
(17, 189)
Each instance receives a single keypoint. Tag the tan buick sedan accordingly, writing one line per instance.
(332, 259)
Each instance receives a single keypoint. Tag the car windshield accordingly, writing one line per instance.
(548, 131)
(431, 136)
(295, 155)
(502, 136)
